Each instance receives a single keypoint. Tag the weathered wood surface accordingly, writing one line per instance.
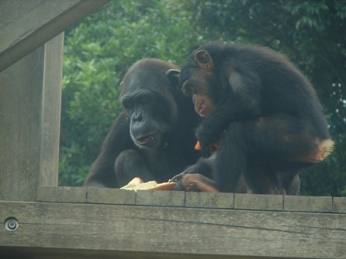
(172, 232)
(27, 24)
(193, 199)
(30, 122)
(339, 204)
(51, 111)
(21, 88)
(44, 253)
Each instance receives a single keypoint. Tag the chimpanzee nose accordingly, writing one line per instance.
(137, 116)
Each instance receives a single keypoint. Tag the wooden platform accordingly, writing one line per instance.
(111, 223)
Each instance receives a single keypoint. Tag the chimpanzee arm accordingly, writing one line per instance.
(130, 164)
(102, 173)
(239, 99)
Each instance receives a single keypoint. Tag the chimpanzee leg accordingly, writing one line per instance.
(290, 183)
(231, 160)
(130, 164)
(284, 138)
(263, 180)
(276, 143)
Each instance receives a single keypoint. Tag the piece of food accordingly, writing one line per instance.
(163, 186)
(198, 146)
(138, 184)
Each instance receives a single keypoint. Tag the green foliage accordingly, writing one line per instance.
(100, 49)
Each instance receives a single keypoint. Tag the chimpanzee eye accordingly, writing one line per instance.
(145, 100)
(127, 104)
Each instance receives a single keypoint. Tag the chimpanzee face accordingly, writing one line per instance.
(195, 78)
(203, 104)
(151, 111)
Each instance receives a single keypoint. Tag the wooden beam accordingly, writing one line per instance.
(30, 122)
(169, 232)
(26, 25)
(21, 87)
(51, 111)
(193, 199)
(49, 253)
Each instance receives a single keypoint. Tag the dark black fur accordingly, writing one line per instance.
(159, 117)
(267, 112)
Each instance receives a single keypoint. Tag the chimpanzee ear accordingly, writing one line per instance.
(173, 76)
(204, 60)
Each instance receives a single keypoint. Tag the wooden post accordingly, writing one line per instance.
(51, 111)
(30, 96)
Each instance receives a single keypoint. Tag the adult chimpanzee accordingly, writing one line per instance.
(264, 113)
(153, 138)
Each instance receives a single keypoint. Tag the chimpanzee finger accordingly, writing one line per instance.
(177, 177)
(179, 186)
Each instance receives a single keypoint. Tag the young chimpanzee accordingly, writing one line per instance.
(264, 113)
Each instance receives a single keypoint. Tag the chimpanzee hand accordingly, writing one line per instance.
(197, 176)
(206, 142)
(195, 182)
(177, 177)
(190, 170)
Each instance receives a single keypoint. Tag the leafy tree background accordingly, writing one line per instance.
(100, 49)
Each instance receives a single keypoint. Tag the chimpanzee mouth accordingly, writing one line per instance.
(146, 139)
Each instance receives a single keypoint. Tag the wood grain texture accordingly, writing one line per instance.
(308, 203)
(44, 253)
(209, 200)
(30, 104)
(51, 110)
(174, 231)
(160, 198)
(197, 200)
(339, 204)
(62, 194)
(21, 87)
(28, 24)
(258, 202)
(110, 196)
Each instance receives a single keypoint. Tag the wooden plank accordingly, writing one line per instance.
(44, 253)
(21, 87)
(51, 110)
(160, 198)
(339, 204)
(258, 202)
(32, 24)
(192, 199)
(30, 104)
(195, 199)
(110, 196)
(209, 200)
(308, 203)
(62, 194)
(17, 7)
(174, 231)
